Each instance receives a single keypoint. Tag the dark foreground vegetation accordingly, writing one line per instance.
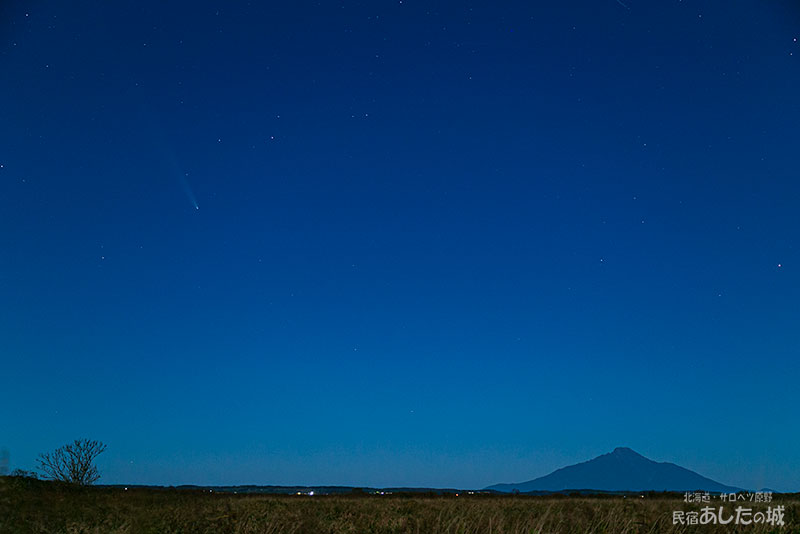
(33, 506)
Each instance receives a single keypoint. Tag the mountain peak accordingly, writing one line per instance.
(625, 451)
(622, 469)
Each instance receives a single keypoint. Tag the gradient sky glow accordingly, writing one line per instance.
(402, 242)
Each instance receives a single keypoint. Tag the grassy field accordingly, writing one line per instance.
(30, 506)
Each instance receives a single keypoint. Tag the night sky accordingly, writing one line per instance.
(400, 243)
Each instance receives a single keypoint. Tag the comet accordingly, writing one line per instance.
(188, 190)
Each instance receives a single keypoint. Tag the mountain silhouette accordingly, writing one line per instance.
(620, 470)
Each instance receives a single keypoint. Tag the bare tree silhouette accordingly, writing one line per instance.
(73, 463)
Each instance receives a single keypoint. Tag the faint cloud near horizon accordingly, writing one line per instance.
(4, 460)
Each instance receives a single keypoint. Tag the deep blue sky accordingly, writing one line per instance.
(436, 243)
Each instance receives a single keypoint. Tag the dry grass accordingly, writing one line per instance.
(28, 507)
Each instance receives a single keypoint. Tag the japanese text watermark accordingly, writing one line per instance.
(737, 514)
